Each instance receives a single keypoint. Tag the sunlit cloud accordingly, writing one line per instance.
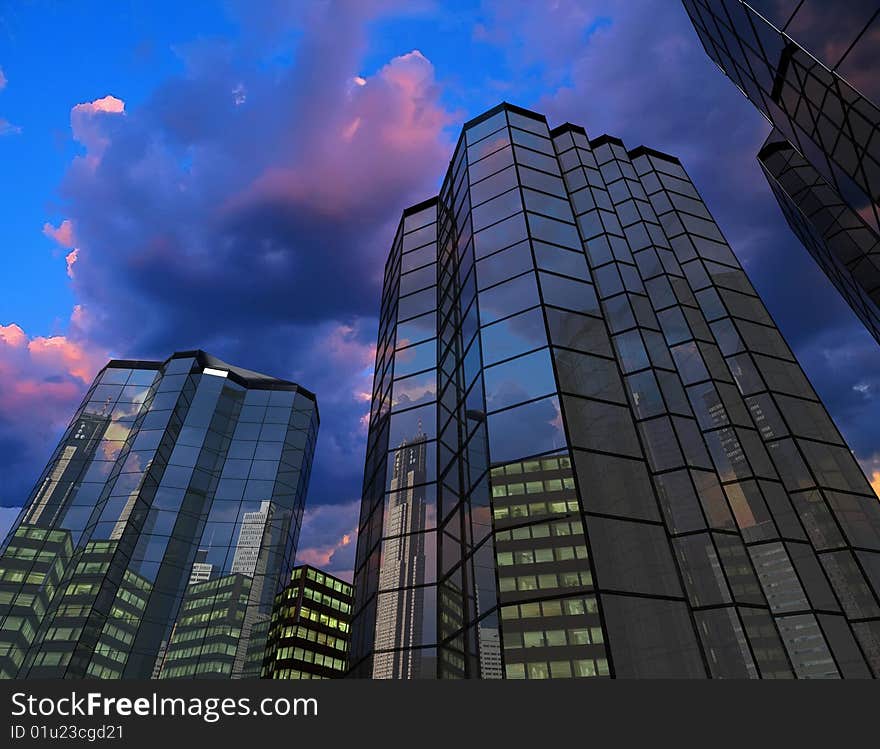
(62, 234)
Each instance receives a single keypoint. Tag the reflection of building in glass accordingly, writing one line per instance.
(208, 631)
(178, 486)
(201, 569)
(309, 633)
(250, 540)
(400, 615)
(79, 448)
(626, 473)
(810, 69)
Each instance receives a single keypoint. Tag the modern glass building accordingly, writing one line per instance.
(310, 630)
(155, 541)
(810, 67)
(591, 453)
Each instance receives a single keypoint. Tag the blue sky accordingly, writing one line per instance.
(251, 149)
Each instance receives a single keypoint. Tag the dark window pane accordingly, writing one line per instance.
(652, 638)
(701, 570)
(600, 426)
(615, 486)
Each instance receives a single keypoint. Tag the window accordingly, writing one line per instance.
(601, 426)
(653, 638)
(633, 557)
(519, 380)
(588, 376)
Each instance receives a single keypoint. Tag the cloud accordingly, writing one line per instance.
(70, 258)
(330, 532)
(42, 379)
(107, 105)
(62, 234)
(279, 209)
(2, 79)
(90, 127)
(246, 207)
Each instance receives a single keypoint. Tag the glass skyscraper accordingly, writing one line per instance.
(156, 539)
(811, 68)
(591, 453)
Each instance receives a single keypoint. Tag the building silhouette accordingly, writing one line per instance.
(620, 469)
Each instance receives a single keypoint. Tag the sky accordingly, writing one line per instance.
(229, 176)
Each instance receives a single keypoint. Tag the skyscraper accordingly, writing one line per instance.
(310, 629)
(811, 69)
(625, 471)
(156, 539)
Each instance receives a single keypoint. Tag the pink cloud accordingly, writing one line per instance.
(329, 536)
(42, 379)
(87, 122)
(2, 79)
(12, 335)
(342, 344)
(67, 356)
(109, 105)
(29, 363)
(71, 259)
(62, 234)
(386, 128)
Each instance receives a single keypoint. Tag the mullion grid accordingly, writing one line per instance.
(668, 414)
(757, 484)
(805, 227)
(589, 567)
(795, 442)
(803, 68)
(451, 648)
(476, 341)
(370, 532)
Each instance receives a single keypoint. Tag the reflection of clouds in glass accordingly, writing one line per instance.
(414, 390)
(519, 380)
(415, 358)
(125, 411)
(509, 297)
(512, 336)
(416, 330)
(556, 422)
(525, 430)
(110, 450)
(488, 145)
(117, 432)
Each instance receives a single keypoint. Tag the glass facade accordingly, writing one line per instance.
(154, 543)
(310, 630)
(590, 451)
(810, 69)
